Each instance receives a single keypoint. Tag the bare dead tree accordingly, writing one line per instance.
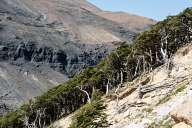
(157, 57)
(117, 96)
(149, 54)
(137, 66)
(41, 113)
(150, 66)
(30, 124)
(164, 44)
(119, 85)
(121, 80)
(164, 51)
(38, 121)
(87, 94)
(121, 76)
(107, 87)
(144, 64)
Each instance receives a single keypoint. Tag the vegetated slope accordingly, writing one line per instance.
(158, 99)
(151, 49)
(44, 42)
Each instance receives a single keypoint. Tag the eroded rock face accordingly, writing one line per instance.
(57, 58)
(24, 52)
(45, 42)
(27, 69)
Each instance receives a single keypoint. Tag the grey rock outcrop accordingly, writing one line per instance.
(45, 42)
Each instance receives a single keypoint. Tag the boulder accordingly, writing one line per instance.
(183, 113)
(181, 125)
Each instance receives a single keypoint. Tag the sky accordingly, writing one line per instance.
(155, 9)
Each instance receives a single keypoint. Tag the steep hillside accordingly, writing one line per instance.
(165, 102)
(45, 42)
(128, 20)
(151, 49)
(165, 99)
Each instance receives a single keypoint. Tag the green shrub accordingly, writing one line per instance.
(90, 115)
(12, 120)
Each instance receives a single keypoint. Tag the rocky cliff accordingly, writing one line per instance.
(45, 42)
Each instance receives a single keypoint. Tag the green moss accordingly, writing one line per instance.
(13, 119)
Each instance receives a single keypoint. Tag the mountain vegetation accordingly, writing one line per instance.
(91, 115)
(60, 38)
(152, 48)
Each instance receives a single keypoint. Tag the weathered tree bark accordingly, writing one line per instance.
(137, 66)
(87, 94)
(121, 74)
(144, 64)
(107, 88)
(164, 43)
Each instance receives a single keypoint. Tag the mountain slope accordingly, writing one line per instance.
(151, 49)
(128, 20)
(167, 90)
(45, 42)
(166, 98)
